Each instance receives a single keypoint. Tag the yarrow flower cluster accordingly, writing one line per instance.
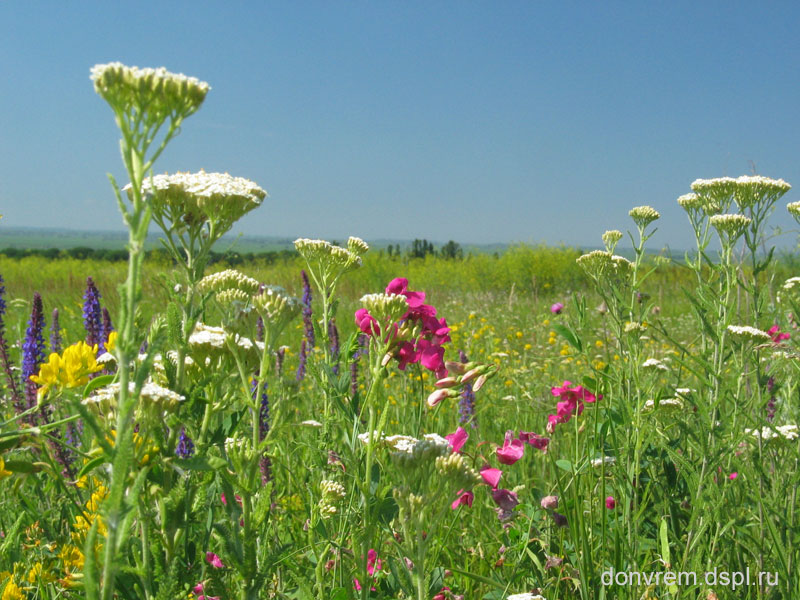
(747, 333)
(401, 315)
(229, 279)
(325, 258)
(331, 494)
(794, 210)
(159, 92)
(611, 239)
(190, 201)
(571, 403)
(730, 226)
(781, 432)
(644, 215)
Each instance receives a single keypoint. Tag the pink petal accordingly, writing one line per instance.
(214, 560)
(465, 498)
(457, 439)
(491, 476)
(511, 451)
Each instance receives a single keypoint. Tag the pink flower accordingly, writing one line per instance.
(776, 335)
(457, 439)
(437, 397)
(557, 308)
(214, 560)
(399, 286)
(512, 450)
(465, 498)
(505, 499)
(733, 475)
(406, 355)
(366, 322)
(572, 399)
(549, 502)
(611, 503)
(491, 476)
(373, 564)
(534, 439)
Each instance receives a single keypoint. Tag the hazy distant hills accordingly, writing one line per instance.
(36, 238)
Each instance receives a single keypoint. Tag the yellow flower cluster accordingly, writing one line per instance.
(69, 369)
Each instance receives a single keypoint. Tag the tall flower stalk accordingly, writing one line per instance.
(144, 102)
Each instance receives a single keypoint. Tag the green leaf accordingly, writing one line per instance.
(21, 466)
(97, 383)
(564, 465)
(570, 336)
(91, 465)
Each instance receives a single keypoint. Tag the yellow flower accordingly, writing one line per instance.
(12, 592)
(528, 346)
(3, 472)
(599, 343)
(70, 369)
(112, 341)
(518, 334)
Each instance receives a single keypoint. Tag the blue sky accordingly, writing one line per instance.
(475, 121)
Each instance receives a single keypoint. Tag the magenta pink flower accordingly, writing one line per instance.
(733, 475)
(776, 335)
(505, 499)
(399, 285)
(457, 439)
(512, 450)
(214, 560)
(373, 564)
(491, 476)
(366, 322)
(572, 399)
(611, 503)
(557, 308)
(534, 439)
(465, 498)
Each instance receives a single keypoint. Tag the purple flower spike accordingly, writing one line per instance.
(466, 406)
(92, 315)
(185, 447)
(4, 355)
(263, 430)
(33, 349)
(108, 326)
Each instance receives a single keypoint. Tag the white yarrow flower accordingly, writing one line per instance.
(745, 332)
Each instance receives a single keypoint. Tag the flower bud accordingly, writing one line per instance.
(479, 383)
(446, 382)
(550, 502)
(437, 397)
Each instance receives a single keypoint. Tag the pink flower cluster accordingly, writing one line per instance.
(373, 564)
(571, 403)
(512, 450)
(776, 334)
(427, 348)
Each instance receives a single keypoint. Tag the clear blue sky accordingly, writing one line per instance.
(475, 121)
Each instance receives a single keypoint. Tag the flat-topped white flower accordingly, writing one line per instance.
(151, 393)
(526, 596)
(644, 215)
(731, 225)
(311, 423)
(608, 460)
(596, 262)
(745, 332)
(690, 202)
(193, 200)
(158, 92)
(787, 432)
(611, 238)
(794, 209)
(332, 259)
(673, 403)
(357, 245)
(385, 307)
(753, 189)
(227, 279)
(654, 363)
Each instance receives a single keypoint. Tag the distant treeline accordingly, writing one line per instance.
(417, 249)
(157, 255)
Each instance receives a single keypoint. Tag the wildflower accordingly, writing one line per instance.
(185, 447)
(332, 260)
(457, 439)
(537, 441)
(331, 493)
(610, 503)
(192, 200)
(756, 189)
(12, 591)
(526, 596)
(557, 308)
(716, 194)
(357, 246)
(491, 476)
(608, 460)
(3, 471)
(214, 560)
(794, 210)
(611, 239)
(157, 91)
(559, 519)
(463, 498)
(733, 475)
(676, 403)
(511, 451)
(55, 333)
(785, 432)
(92, 314)
(549, 502)
(70, 369)
(33, 349)
(690, 202)
(643, 215)
(505, 499)
(572, 400)
(229, 279)
(655, 364)
(729, 226)
(776, 335)
(373, 564)
(596, 263)
(745, 332)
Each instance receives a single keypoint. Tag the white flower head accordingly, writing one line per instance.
(357, 246)
(526, 596)
(794, 210)
(756, 189)
(655, 364)
(663, 403)
(747, 333)
(690, 202)
(644, 215)
(611, 239)
(385, 308)
(729, 225)
(155, 92)
(229, 279)
(716, 194)
(596, 263)
(608, 460)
